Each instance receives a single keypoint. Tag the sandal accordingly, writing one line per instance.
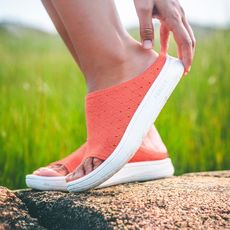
(146, 164)
(129, 108)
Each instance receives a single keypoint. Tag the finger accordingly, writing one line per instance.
(164, 37)
(144, 11)
(190, 31)
(184, 44)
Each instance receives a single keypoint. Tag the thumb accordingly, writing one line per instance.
(144, 12)
(147, 35)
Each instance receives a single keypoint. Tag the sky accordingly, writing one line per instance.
(214, 13)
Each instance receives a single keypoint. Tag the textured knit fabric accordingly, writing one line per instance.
(109, 111)
(157, 152)
(73, 160)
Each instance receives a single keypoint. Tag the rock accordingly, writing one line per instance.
(191, 201)
(13, 212)
(212, 174)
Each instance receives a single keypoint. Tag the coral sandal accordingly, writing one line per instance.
(129, 109)
(145, 165)
(56, 182)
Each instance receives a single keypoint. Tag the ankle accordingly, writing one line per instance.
(121, 65)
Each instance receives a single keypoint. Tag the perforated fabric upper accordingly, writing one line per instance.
(73, 160)
(109, 111)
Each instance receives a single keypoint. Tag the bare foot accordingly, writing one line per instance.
(152, 141)
(136, 62)
(53, 170)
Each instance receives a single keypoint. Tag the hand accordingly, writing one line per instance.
(172, 18)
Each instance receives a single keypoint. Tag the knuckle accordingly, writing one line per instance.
(147, 32)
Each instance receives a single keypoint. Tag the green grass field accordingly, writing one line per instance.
(42, 105)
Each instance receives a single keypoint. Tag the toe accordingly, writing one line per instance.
(85, 168)
(88, 165)
(78, 173)
(52, 170)
(46, 171)
(96, 162)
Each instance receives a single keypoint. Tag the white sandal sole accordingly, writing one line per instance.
(131, 172)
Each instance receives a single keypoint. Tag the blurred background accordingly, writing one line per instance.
(42, 91)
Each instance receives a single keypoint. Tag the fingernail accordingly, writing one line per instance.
(147, 44)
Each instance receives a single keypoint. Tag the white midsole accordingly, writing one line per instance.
(131, 172)
(140, 123)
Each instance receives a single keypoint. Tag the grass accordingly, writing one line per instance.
(42, 106)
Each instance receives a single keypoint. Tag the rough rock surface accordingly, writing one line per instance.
(191, 201)
(13, 212)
